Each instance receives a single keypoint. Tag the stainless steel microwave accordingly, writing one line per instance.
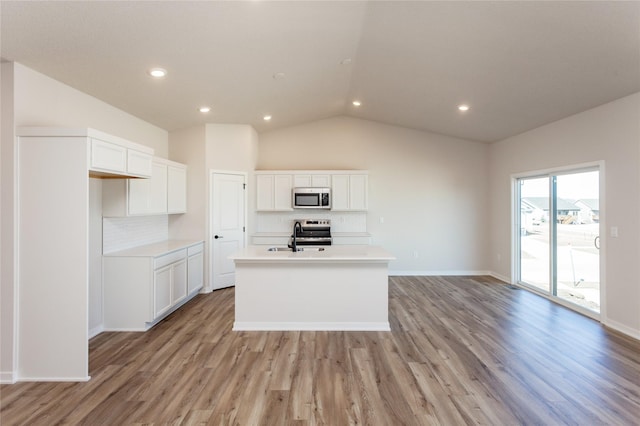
(311, 198)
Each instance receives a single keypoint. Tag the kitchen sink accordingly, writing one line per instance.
(299, 249)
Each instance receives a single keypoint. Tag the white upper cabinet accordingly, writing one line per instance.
(273, 192)
(108, 156)
(349, 192)
(176, 189)
(119, 157)
(163, 193)
(349, 188)
(139, 163)
(148, 196)
(312, 181)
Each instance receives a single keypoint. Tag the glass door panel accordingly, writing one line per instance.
(534, 233)
(577, 234)
(558, 245)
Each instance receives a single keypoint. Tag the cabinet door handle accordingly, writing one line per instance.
(217, 236)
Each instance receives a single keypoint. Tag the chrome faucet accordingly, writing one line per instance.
(294, 244)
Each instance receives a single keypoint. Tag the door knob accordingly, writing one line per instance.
(217, 236)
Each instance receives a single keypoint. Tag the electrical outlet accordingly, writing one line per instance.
(614, 232)
(381, 219)
(415, 254)
(499, 257)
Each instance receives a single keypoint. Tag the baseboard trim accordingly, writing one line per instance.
(311, 326)
(621, 328)
(54, 379)
(436, 273)
(95, 331)
(500, 277)
(8, 378)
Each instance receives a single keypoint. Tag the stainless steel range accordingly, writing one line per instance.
(312, 232)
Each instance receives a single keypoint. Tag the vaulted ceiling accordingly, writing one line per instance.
(518, 65)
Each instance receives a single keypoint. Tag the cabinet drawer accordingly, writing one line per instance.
(170, 258)
(199, 248)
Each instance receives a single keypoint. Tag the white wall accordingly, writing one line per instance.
(222, 147)
(610, 133)
(8, 290)
(34, 99)
(43, 101)
(429, 190)
(232, 147)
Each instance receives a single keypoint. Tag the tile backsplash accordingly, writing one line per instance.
(127, 232)
(283, 221)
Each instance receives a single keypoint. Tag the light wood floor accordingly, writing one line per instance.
(462, 350)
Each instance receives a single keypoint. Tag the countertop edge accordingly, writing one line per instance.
(334, 254)
(154, 249)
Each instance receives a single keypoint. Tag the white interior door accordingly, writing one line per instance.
(227, 225)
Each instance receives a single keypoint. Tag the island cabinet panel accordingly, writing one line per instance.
(337, 288)
(140, 289)
(273, 192)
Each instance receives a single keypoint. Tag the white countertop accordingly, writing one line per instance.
(330, 254)
(155, 249)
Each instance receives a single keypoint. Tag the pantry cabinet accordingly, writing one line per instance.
(164, 193)
(145, 284)
(53, 269)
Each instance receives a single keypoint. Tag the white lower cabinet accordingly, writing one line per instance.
(161, 292)
(195, 268)
(178, 282)
(140, 290)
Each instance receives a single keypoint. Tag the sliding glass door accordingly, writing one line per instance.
(534, 233)
(558, 243)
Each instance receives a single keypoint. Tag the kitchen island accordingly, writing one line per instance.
(331, 288)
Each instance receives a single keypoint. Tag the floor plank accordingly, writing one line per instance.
(462, 350)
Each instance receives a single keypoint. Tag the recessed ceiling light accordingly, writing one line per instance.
(463, 107)
(266, 118)
(204, 109)
(346, 61)
(157, 72)
(278, 76)
(356, 103)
